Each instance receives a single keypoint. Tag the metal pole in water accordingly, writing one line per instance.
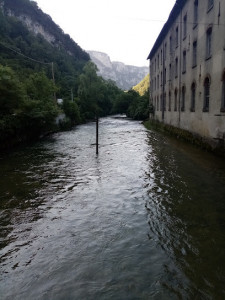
(97, 134)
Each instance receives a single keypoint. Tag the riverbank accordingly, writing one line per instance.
(20, 137)
(216, 147)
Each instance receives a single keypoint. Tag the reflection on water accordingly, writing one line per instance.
(186, 211)
(143, 220)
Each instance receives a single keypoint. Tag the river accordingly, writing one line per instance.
(145, 219)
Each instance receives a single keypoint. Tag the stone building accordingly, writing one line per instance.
(187, 68)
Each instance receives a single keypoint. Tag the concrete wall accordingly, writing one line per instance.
(208, 124)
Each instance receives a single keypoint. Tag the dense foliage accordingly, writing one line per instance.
(27, 108)
(133, 105)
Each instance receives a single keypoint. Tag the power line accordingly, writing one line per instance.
(37, 61)
(27, 57)
(177, 22)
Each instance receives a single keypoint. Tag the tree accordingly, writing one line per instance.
(11, 91)
(90, 91)
(39, 108)
(40, 87)
(71, 110)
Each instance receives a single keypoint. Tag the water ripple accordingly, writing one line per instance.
(143, 220)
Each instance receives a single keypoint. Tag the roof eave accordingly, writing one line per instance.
(174, 13)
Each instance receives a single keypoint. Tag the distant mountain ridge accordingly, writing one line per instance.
(125, 76)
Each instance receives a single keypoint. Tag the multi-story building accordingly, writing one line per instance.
(187, 69)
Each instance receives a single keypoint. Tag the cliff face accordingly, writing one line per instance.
(40, 23)
(125, 76)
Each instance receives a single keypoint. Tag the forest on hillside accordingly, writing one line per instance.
(34, 73)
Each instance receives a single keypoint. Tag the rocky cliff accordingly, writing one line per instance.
(125, 76)
(38, 22)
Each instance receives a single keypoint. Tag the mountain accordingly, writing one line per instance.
(30, 41)
(42, 24)
(125, 76)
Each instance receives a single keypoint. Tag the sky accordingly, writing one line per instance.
(124, 29)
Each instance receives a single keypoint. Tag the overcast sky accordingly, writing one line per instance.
(124, 29)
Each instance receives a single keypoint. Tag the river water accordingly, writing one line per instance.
(143, 220)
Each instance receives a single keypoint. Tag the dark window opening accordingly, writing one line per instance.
(210, 4)
(175, 100)
(176, 67)
(223, 95)
(184, 61)
(209, 43)
(193, 93)
(169, 108)
(194, 57)
(185, 27)
(206, 95)
(195, 13)
(183, 99)
(177, 39)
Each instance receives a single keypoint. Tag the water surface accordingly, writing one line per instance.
(143, 220)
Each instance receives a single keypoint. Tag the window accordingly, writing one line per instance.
(210, 4)
(177, 40)
(169, 108)
(165, 102)
(171, 45)
(161, 78)
(223, 94)
(195, 13)
(175, 100)
(165, 54)
(185, 26)
(157, 102)
(161, 104)
(165, 76)
(157, 81)
(155, 64)
(209, 43)
(176, 67)
(193, 92)
(158, 60)
(206, 94)
(184, 62)
(183, 99)
(161, 56)
(194, 55)
(170, 72)
(152, 68)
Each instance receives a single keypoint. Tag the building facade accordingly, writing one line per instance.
(187, 69)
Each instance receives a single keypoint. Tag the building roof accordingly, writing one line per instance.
(173, 14)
